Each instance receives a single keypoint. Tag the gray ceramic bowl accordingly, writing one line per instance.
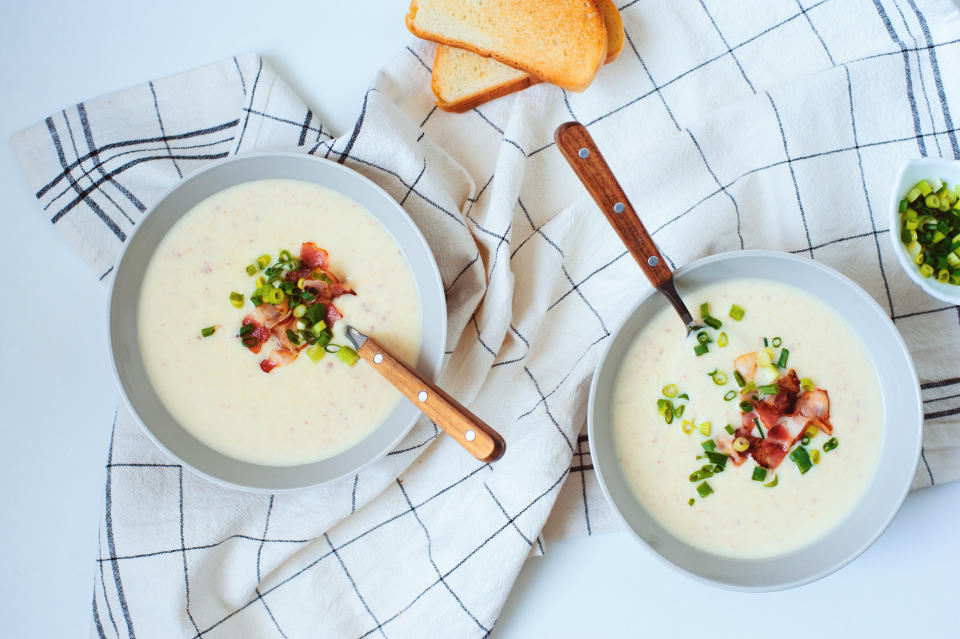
(125, 295)
(900, 450)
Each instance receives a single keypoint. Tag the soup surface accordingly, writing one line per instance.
(746, 515)
(301, 412)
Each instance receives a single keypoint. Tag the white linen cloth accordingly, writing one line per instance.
(755, 124)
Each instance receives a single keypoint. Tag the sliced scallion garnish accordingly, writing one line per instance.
(784, 354)
(708, 444)
(722, 340)
(745, 406)
(776, 342)
(739, 379)
(729, 395)
(801, 458)
(208, 331)
(347, 355)
(252, 269)
(670, 390)
(773, 482)
(236, 299)
(704, 489)
(759, 473)
(730, 429)
(830, 444)
(700, 349)
(736, 312)
(712, 322)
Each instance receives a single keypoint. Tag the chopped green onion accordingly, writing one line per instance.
(830, 444)
(687, 426)
(245, 330)
(811, 432)
(316, 353)
(926, 271)
(719, 378)
(704, 429)
(678, 410)
(784, 354)
(712, 322)
(769, 389)
(318, 327)
(208, 331)
(730, 429)
(708, 444)
(932, 201)
(347, 355)
(703, 338)
(705, 310)
(331, 348)
(759, 473)
(668, 414)
(815, 456)
(263, 261)
(741, 444)
(923, 187)
(301, 325)
(236, 299)
(765, 342)
(670, 390)
(745, 406)
(293, 337)
(700, 349)
(776, 342)
(720, 459)
(691, 501)
(683, 396)
(663, 405)
(699, 475)
(284, 256)
(943, 276)
(736, 312)
(913, 194)
(807, 384)
(729, 395)
(722, 338)
(773, 482)
(801, 458)
(704, 489)
(275, 296)
(756, 422)
(739, 379)
(804, 440)
(903, 206)
(252, 269)
(299, 311)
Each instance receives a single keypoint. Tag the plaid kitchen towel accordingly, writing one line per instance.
(755, 124)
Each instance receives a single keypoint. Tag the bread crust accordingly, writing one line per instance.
(600, 51)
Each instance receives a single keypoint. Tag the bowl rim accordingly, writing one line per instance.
(895, 500)
(931, 286)
(436, 281)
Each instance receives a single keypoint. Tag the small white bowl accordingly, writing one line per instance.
(910, 173)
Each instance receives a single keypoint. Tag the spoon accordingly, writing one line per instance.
(581, 152)
(467, 429)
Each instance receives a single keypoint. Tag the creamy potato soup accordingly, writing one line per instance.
(291, 402)
(748, 450)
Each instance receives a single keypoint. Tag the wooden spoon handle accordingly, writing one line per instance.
(470, 431)
(578, 147)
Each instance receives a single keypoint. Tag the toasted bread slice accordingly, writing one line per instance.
(560, 41)
(462, 80)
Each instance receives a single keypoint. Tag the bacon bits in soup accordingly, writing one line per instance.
(245, 282)
(732, 440)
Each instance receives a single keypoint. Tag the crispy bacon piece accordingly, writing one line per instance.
(260, 333)
(279, 357)
(769, 453)
(815, 404)
(768, 415)
(314, 256)
(271, 314)
(726, 446)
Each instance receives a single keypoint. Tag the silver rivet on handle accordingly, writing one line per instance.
(618, 207)
(652, 260)
(378, 359)
(422, 396)
(470, 435)
(584, 153)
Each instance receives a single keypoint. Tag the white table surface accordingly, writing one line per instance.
(58, 394)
